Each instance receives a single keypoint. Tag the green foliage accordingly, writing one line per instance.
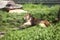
(43, 11)
(8, 21)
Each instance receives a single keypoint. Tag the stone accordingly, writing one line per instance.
(9, 5)
(17, 11)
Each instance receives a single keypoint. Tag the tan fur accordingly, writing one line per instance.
(30, 21)
(44, 23)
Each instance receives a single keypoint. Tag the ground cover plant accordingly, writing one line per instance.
(9, 21)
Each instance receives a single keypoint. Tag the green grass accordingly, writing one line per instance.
(8, 21)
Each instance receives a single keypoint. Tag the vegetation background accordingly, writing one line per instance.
(9, 21)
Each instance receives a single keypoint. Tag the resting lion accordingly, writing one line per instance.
(31, 21)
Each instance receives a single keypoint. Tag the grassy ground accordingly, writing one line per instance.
(8, 21)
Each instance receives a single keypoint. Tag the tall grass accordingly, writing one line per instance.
(8, 21)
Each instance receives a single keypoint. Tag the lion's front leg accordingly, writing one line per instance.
(27, 24)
